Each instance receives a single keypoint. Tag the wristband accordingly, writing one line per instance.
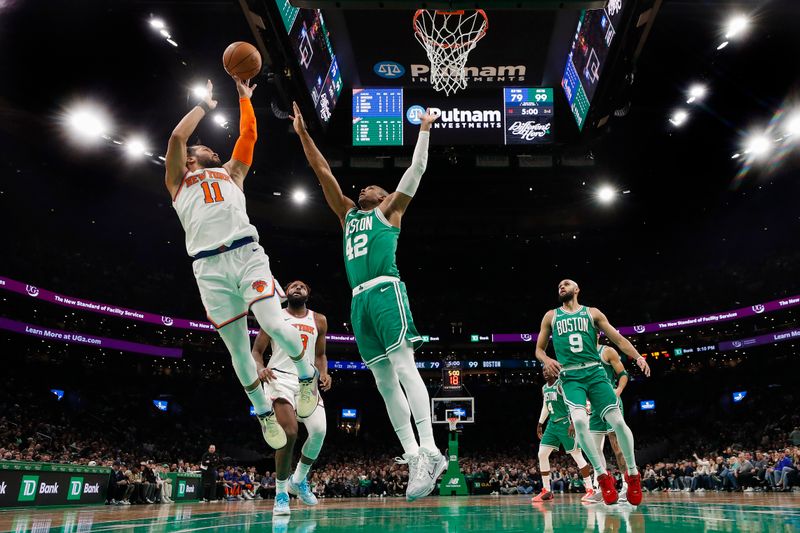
(204, 107)
(623, 373)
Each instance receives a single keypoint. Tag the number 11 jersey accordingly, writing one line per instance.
(212, 211)
(370, 245)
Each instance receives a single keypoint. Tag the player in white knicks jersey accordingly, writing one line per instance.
(231, 268)
(282, 386)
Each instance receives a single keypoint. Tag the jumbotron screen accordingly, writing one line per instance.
(389, 116)
(312, 47)
(587, 57)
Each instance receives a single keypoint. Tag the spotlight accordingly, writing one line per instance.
(165, 34)
(88, 123)
(200, 92)
(606, 194)
(173, 43)
(792, 124)
(736, 26)
(697, 92)
(135, 148)
(679, 117)
(157, 24)
(722, 45)
(299, 196)
(221, 120)
(757, 146)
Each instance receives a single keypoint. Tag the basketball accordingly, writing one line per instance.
(241, 59)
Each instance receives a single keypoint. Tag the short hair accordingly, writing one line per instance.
(381, 189)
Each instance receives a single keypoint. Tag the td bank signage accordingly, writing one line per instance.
(47, 486)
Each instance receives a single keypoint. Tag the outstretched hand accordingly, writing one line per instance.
(643, 366)
(297, 119)
(209, 96)
(244, 87)
(426, 119)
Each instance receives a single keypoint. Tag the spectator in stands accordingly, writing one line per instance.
(267, 488)
(149, 484)
(649, 478)
(701, 477)
(783, 467)
(794, 436)
(164, 483)
(745, 472)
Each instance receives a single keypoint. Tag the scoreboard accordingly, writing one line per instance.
(390, 116)
(378, 117)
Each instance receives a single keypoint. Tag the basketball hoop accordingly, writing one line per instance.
(452, 421)
(448, 37)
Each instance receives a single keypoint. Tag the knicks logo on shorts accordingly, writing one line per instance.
(260, 285)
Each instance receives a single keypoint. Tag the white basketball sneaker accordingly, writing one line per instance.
(272, 431)
(430, 465)
(308, 398)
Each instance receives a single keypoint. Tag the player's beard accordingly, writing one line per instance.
(567, 296)
(297, 301)
(209, 162)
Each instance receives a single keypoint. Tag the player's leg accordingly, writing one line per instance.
(585, 471)
(284, 412)
(397, 407)
(316, 425)
(575, 397)
(258, 288)
(544, 468)
(372, 349)
(623, 466)
(419, 400)
(237, 340)
(602, 395)
(394, 324)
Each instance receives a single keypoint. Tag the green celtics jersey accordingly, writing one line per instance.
(612, 376)
(370, 243)
(555, 402)
(574, 337)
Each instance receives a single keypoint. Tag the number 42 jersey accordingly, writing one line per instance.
(370, 245)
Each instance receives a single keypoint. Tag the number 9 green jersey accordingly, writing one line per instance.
(370, 245)
(574, 337)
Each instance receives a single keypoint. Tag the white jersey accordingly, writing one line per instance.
(212, 210)
(307, 326)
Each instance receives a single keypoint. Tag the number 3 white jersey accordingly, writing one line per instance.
(307, 326)
(212, 210)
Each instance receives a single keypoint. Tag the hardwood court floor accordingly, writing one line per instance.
(774, 513)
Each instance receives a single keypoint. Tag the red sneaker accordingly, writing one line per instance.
(608, 489)
(634, 489)
(543, 496)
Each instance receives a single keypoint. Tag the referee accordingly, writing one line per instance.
(208, 464)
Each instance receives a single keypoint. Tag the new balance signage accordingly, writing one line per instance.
(24, 484)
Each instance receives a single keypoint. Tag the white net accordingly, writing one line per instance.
(448, 37)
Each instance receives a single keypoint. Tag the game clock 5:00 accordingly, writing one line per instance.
(389, 116)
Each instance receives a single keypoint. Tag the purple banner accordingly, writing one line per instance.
(58, 335)
(122, 312)
(769, 338)
(691, 322)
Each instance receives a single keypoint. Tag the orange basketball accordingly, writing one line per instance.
(242, 59)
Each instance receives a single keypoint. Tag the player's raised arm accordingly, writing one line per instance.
(321, 358)
(396, 203)
(176, 148)
(619, 369)
(259, 347)
(338, 202)
(242, 158)
(616, 337)
(551, 366)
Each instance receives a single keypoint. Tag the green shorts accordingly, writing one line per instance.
(589, 384)
(556, 434)
(598, 425)
(382, 321)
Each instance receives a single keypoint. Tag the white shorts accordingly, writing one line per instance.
(286, 386)
(232, 281)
